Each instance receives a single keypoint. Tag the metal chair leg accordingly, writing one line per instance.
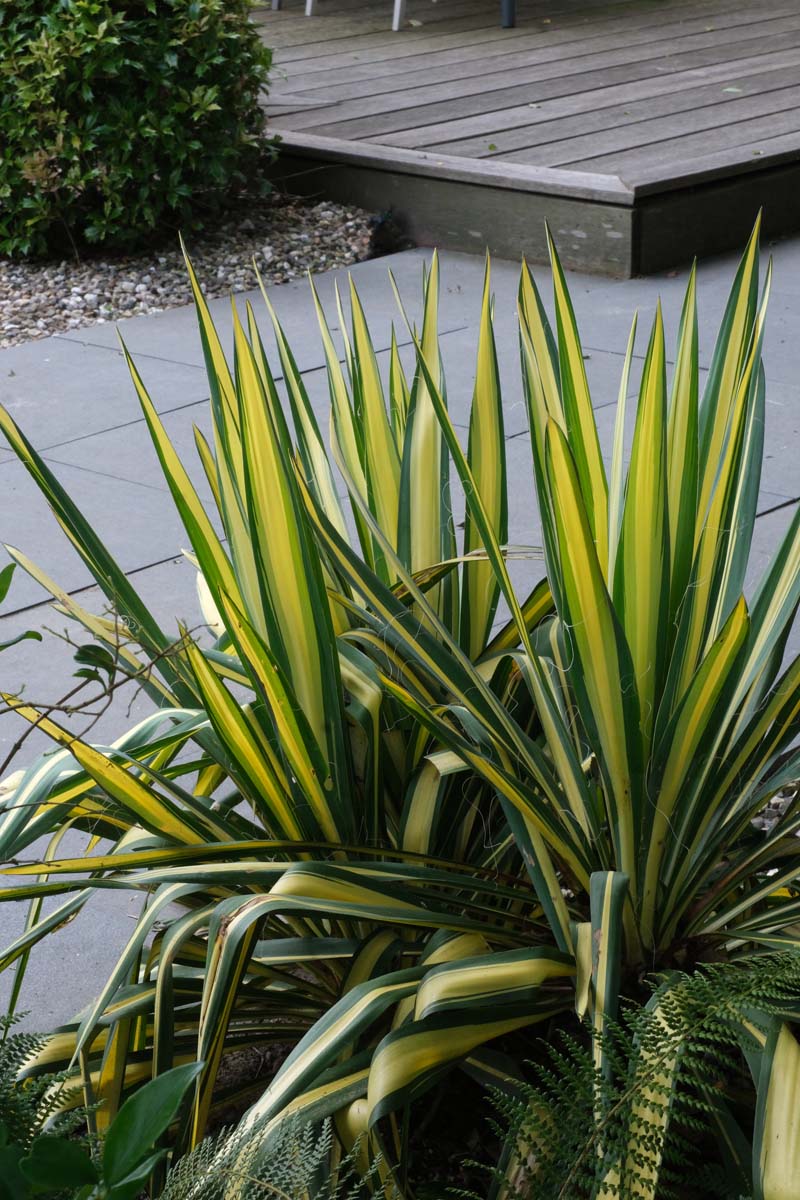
(399, 15)
(276, 5)
(310, 6)
(508, 13)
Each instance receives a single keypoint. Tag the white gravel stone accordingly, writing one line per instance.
(287, 237)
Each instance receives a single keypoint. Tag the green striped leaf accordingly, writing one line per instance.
(486, 458)
(776, 1138)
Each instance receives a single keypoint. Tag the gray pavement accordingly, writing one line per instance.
(73, 398)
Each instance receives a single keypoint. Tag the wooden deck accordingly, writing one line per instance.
(644, 130)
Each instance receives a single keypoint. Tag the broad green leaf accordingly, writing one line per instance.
(381, 459)
(54, 1163)
(263, 776)
(608, 894)
(727, 366)
(611, 703)
(6, 575)
(142, 1120)
(460, 1006)
(289, 574)
(425, 533)
(687, 758)
(151, 809)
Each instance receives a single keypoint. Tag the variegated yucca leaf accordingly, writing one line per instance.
(776, 1142)
(396, 826)
(280, 750)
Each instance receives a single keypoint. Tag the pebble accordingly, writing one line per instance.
(778, 805)
(287, 237)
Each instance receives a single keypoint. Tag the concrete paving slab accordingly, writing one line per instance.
(173, 334)
(781, 469)
(57, 389)
(43, 671)
(604, 307)
(780, 474)
(138, 524)
(88, 946)
(780, 341)
(128, 452)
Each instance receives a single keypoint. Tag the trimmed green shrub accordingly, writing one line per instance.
(121, 117)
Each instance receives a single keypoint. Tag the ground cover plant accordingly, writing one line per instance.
(403, 838)
(123, 119)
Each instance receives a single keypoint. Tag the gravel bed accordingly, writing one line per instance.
(287, 238)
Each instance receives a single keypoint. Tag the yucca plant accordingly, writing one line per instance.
(666, 714)
(451, 836)
(335, 869)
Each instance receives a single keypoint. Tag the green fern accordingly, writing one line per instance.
(27, 1106)
(564, 1129)
(297, 1167)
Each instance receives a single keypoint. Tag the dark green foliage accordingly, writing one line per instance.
(122, 117)
(563, 1128)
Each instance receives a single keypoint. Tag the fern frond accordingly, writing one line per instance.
(297, 1167)
(651, 1127)
(28, 1106)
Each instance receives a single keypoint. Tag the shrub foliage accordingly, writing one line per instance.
(124, 116)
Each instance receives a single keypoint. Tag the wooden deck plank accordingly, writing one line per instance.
(636, 162)
(509, 127)
(478, 46)
(327, 42)
(625, 123)
(474, 213)
(669, 130)
(524, 51)
(436, 102)
(587, 113)
(447, 19)
(606, 189)
(337, 30)
(745, 158)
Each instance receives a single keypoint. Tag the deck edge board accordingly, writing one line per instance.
(582, 185)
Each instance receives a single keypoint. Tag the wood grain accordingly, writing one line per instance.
(650, 108)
